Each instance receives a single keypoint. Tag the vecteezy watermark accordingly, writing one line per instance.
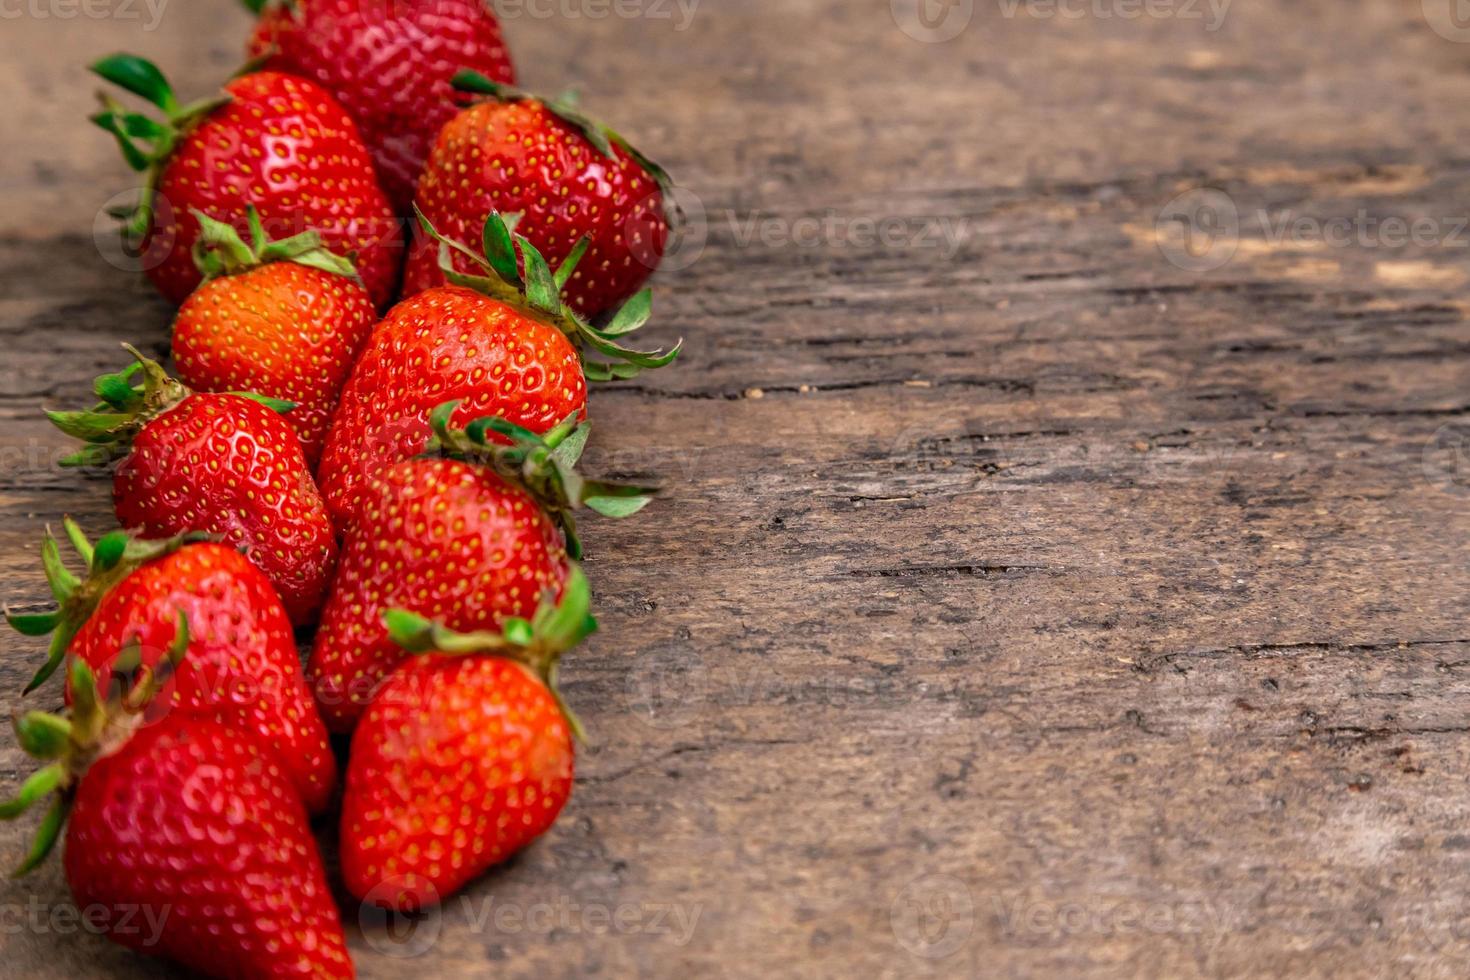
(145, 923)
(933, 916)
(1446, 459)
(1203, 229)
(680, 12)
(831, 229)
(1212, 12)
(405, 935)
(1450, 19)
(1023, 918)
(148, 11)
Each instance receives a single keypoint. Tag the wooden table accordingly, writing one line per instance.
(1056, 578)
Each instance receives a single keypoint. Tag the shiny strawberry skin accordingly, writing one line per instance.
(230, 466)
(443, 344)
(193, 823)
(283, 329)
(446, 539)
(283, 144)
(242, 666)
(457, 764)
(389, 64)
(519, 158)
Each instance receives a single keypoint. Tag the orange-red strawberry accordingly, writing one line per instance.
(220, 463)
(568, 177)
(243, 668)
(389, 64)
(463, 758)
(278, 141)
(285, 319)
(505, 346)
(186, 825)
(471, 541)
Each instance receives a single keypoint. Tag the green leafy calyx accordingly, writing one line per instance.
(537, 643)
(98, 725)
(546, 465)
(130, 399)
(112, 559)
(537, 293)
(146, 142)
(221, 251)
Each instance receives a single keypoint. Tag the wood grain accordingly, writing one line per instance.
(1022, 603)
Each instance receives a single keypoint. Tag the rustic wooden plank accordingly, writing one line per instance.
(1119, 605)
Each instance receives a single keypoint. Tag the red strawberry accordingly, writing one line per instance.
(276, 140)
(462, 540)
(285, 319)
(243, 668)
(568, 177)
(389, 64)
(463, 758)
(506, 347)
(221, 463)
(189, 824)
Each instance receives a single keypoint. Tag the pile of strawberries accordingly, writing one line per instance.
(396, 275)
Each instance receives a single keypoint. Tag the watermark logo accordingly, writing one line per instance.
(667, 686)
(1446, 459)
(932, 21)
(150, 12)
(933, 916)
(391, 929)
(1450, 19)
(680, 13)
(1199, 230)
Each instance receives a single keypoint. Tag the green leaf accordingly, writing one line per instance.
(279, 405)
(138, 76)
(116, 390)
(33, 624)
(472, 81)
(616, 506)
(42, 735)
(83, 685)
(46, 836)
(541, 289)
(631, 315)
(256, 7)
(500, 249)
(88, 426)
(63, 583)
(409, 630)
(518, 632)
(78, 540)
(110, 550)
(135, 157)
(55, 653)
(569, 264)
(570, 449)
(41, 783)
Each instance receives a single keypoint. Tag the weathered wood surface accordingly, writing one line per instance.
(1040, 609)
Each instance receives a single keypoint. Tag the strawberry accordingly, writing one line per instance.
(187, 822)
(505, 346)
(274, 139)
(464, 757)
(222, 463)
(569, 178)
(284, 319)
(473, 540)
(243, 667)
(389, 64)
